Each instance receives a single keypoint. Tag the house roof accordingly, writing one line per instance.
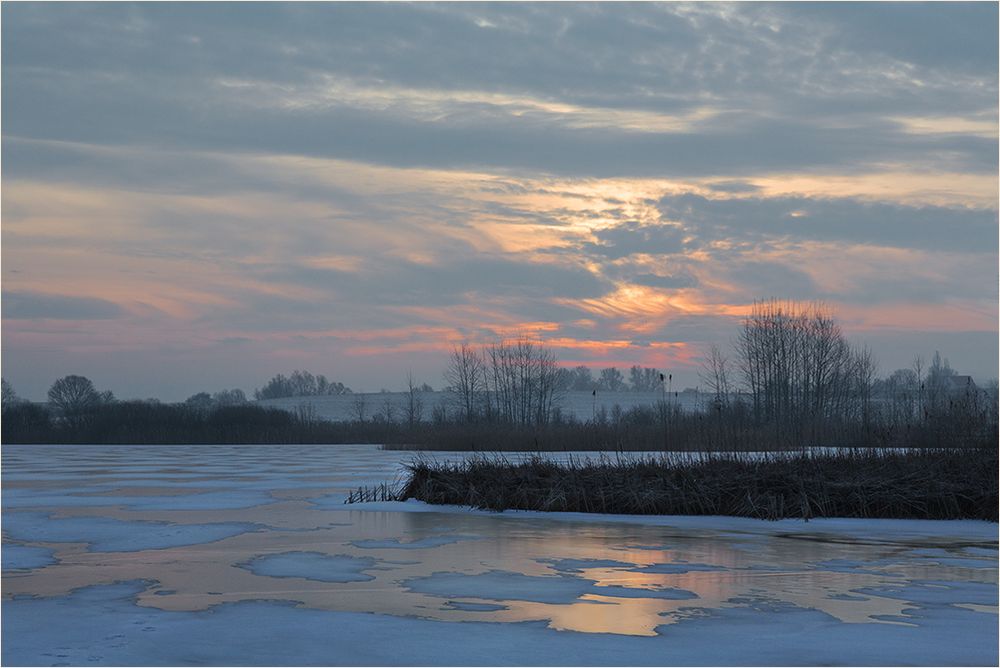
(962, 383)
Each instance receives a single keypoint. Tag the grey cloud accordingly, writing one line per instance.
(670, 272)
(147, 170)
(698, 328)
(964, 279)
(632, 237)
(31, 305)
(419, 44)
(380, 298)
(132, 74)
(957, 35)
(234, 340)
(108, 114)
(370, 298)
(285, 314)
(733, 187)
(451, 281)
(845, 220)
(754, 279)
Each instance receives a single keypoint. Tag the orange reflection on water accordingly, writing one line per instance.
(616, 578)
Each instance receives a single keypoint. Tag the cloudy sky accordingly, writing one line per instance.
(199, 196)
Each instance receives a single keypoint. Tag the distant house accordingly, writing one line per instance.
(964, 389)
(961, 385)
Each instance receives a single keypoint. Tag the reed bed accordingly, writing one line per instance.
(914, 484)
(381, 492)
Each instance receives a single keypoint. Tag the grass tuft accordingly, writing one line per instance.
(914, 484)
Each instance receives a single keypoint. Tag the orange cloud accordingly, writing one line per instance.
(642, 310)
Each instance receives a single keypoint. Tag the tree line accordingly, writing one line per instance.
(790, 378)
(793, 372)
(300, 384)
(611, 379)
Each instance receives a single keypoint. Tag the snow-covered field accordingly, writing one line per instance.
(581, 405)
(246, 555)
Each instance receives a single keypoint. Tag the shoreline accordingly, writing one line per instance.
(935, 485)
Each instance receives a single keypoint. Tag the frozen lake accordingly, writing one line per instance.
(246, 555)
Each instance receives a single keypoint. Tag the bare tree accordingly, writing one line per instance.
(359, 405)
(388, 413)
(583, 379)
(918, 369)
(466, 380)
(303, 384)
(643, 379)
(200, 402)
(864, 373)
(938, 383)
(635, 378)
(72, 395)
(651, 379)
(612, 380)
(802, 375)
(439, 413)
(234, 397)
(9, 395)
(992, 400)
(306, 413)
(522, 382)
(414, 405)
(715, 373)
(899, 397)
(299, 384)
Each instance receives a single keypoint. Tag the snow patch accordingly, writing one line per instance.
(105, 534)
(24, 558)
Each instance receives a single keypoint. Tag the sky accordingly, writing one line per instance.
(201, 196)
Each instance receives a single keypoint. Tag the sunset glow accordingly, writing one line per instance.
(355, 197)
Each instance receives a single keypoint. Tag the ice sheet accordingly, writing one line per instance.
(312, 566)
(258, 633)
(23, 557)
(112, 535)
(182, 554)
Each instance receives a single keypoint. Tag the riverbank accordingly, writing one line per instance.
(926, 484)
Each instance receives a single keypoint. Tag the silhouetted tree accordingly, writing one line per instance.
(359, 406)
(611, 380)
(937, 383)
(583, 379)
(715, 373)
(388, 413)
(25, 422)
(72, 395)
(234, 397)
(414, 405)
(522, 382)
(800, 372)
(299, 384)
(9, 395)
(899, 395)
(643, 379)
(201, 402)
(466, 379)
